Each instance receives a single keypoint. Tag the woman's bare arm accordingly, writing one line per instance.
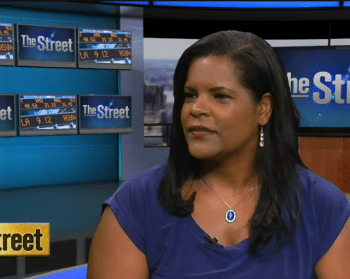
(335, 264)
(112, 253)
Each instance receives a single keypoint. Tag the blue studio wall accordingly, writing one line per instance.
(30, 161)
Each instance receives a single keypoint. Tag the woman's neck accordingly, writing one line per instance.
(235, 174)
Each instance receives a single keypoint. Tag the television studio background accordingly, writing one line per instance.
(64, 178)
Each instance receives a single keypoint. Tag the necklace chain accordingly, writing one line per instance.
(223, 199)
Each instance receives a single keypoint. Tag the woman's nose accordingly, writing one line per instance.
(200, 106)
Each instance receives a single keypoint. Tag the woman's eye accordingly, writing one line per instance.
(189, 95)
(221, 96)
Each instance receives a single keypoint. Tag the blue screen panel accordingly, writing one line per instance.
(105, 114)
(46, 46)
(44, 161)
(7, 115)
(319, 79)
(249, 4)
(127, 2)
(78, 272)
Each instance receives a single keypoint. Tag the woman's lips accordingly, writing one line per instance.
(200, 131)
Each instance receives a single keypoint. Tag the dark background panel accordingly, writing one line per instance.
(195, 29)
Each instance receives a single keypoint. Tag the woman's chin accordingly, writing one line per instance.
(202, 153)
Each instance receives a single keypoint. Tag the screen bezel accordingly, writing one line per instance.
(47, 63)
(89, 131)
(47, 132)
(105, 66)
(9, 62)
(319, 131)
(13, 132)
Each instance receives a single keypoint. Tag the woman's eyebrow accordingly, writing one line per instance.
(216, 88)
(190, 88)
(221, 88)
(212, 90)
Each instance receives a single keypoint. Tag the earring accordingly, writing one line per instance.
(262, 139)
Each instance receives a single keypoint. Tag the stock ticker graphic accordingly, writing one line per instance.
(104, 49)
(102, 114)
(6, 44)
(46, 46)
(47, 115)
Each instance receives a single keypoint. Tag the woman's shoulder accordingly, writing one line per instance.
(139, 192)
(325, 209)
(145, 182)
(149, 175)
(316, 187)
(321, 196)
(136, 206)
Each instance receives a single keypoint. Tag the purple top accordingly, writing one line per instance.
(176, 247)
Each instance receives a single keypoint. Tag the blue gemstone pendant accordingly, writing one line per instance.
(230, 215)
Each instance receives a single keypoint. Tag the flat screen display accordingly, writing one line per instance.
(46, 46)
(47, 115)
(105, 114)
(104, 49)
(7, 115)
(6, 44)
(319, 78)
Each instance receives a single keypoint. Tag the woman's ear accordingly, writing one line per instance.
(265, 109)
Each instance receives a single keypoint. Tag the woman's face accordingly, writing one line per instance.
(219, 117)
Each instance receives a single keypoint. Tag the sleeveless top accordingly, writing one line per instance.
(176, 247)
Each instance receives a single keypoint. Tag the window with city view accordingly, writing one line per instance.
(160, 59)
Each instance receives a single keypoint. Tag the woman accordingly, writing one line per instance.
(234, 199)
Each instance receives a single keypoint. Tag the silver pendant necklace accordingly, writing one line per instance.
(230, 214)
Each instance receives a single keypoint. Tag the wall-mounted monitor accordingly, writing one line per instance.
(319, 78)
(104, 49)
(7, 115)
(46, 46)
(105, 114)
(6, 44)
(41, 115)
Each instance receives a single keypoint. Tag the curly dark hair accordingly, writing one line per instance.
(260, 71)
